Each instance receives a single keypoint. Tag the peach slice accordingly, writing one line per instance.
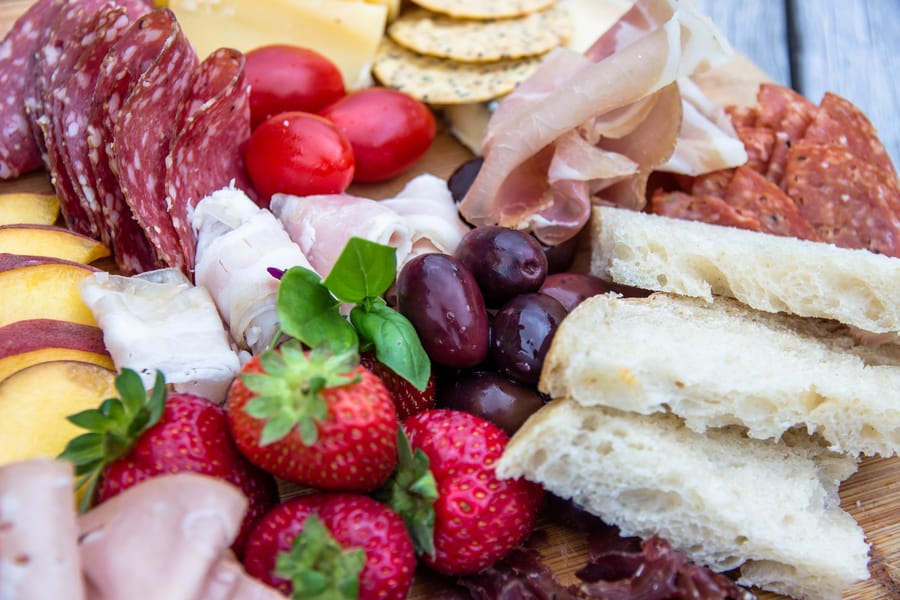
(27, 207)
(26, 343)
(42, 288)
(35, 402)
(47, 240)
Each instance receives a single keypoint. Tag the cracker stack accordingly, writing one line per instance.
(447, 52)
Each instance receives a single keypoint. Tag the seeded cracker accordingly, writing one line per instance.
(470, 40)
(485, 9)
(441, 81)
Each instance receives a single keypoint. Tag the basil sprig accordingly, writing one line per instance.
(309, 309)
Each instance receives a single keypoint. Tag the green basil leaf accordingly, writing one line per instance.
(308, 312)
(363, 270)
(396, 342)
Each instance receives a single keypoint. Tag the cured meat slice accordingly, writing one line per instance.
(751, 193)
(41, 64)
(838, 121)
(19, 151)
(712, 184)
(742, 116)
(783, 109)
(848, 201)
(707, 209)
(121, 70)
(758, 141)
(205, 155)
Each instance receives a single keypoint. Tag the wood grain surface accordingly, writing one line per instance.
(872, 495)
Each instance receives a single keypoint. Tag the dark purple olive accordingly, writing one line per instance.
(521, 333)
(505, 403)
(461, 179)
(570, 289)
(505, 262)
(561, 256)
(441, 299)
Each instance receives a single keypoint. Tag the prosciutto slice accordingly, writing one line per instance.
(237, 243)
(159, 321)
(625, 80)
(38, 531)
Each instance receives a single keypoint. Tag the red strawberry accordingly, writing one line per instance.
(477, 517)
(314, 419)
(145, 437)
(355, 546)
(408, 400)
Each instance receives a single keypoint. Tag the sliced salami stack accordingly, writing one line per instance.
(110, 97)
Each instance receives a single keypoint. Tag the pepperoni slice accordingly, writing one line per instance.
(758, 141)
(206, 153)
(848, 201)
(707, 209)
(750, 193)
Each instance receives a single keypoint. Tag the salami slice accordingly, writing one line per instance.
(139, 47)
(848, 201)
(707, 209)
(838, 121)
(758, 142)
(783, 109)
(19, 152)
(712, 184)
(206, 153)
(750, 193)
(40, 70)
(142, 139)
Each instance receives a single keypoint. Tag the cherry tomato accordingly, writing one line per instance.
(286, 78)
(298, 153)
(388, 130)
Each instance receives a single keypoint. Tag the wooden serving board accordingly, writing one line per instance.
(872, 495)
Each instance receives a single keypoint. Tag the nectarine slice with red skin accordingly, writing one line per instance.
(47, 240)
(42, 288)
(26, 207)
(35, 402)
(26, 343)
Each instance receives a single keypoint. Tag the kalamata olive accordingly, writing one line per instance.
(461, 179)
(560, 256)
(570, 289)
(505, 262)
(442, 300)
(521, 333)
(505, 403)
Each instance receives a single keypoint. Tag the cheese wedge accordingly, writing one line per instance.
(346, 32)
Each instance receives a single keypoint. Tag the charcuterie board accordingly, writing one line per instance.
(872, 495)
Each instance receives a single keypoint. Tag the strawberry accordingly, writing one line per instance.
(477, 518)
(408, 400)
(333, 545)
(136, 437)
(314, 418)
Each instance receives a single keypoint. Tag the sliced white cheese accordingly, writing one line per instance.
(346, 32)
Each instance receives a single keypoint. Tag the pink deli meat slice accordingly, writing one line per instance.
(19, 152)
(205, 154)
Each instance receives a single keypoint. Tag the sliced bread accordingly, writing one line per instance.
(723, 499)
(767, 272)
(721, 363)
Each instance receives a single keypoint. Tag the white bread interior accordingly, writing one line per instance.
(720, 363)
(768, 272)
(723, 499)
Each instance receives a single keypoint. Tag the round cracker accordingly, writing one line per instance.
(485, 9)
(441, 81)
(468, 40)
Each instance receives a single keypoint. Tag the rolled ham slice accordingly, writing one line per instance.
(38, 532)
(237, 243)
(159, 539)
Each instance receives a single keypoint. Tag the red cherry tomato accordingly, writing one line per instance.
(298, 153)
(286, 78)
(388, 130)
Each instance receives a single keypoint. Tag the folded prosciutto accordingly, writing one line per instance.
(590, 128)
(421, 218)
(158, 320)
(237, 243)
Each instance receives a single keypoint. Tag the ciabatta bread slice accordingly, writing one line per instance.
(722, 363)
(767, 272)
(723, 499)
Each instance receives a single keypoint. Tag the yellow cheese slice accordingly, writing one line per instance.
(347, 32)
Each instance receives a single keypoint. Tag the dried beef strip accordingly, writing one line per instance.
(707, 209)
(206, 152)
(19, 152)
(838, 121)
(139, 47)
(750, 193)
(142, 139)
(848, 201)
